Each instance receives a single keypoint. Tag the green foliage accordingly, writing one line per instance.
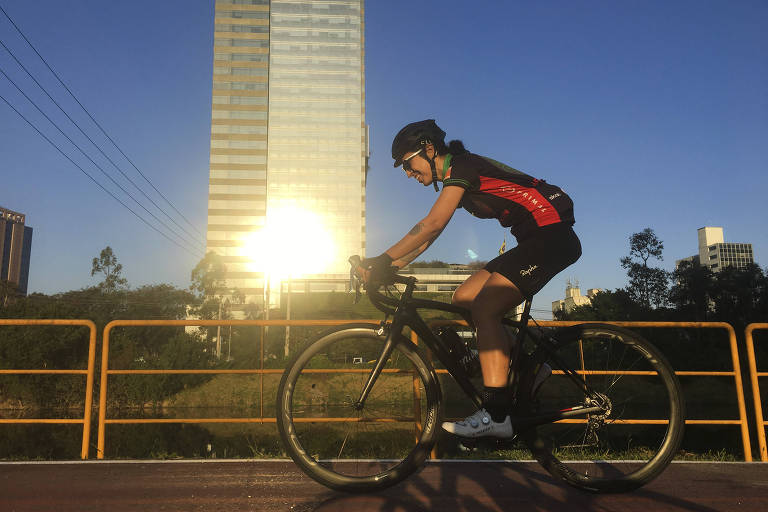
(64, 347)
(647, 285)
(608, 305)
(107, 264)
(430, 264)
(8, 292)
(692, 292)
(208, 276)
(741, 295)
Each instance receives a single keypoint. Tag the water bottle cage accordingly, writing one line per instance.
(459, 350)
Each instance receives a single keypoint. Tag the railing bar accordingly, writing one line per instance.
(255, 420)
(249, 372)
(67, 421)
(43, 372)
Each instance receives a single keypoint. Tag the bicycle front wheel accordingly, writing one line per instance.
(638, 430)
(349, 446)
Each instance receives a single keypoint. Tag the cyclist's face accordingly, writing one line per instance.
(417, 167)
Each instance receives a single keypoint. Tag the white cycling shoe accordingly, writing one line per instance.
(480, 424)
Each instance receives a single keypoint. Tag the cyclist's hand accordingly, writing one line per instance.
(378, 270)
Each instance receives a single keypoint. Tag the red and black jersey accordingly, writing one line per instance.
(519, 201)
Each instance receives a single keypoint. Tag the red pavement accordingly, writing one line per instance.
(280, 486)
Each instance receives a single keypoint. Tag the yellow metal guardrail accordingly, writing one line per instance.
(105, 371)
(753, 375)
(88, 372)
(736, 373)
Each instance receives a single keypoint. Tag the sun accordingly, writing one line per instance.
(293, 243)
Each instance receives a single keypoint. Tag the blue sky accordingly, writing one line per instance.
(649, 114)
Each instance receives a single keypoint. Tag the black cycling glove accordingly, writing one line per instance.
(380, 268)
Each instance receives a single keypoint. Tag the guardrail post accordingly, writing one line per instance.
(753, 375)
(103, 391)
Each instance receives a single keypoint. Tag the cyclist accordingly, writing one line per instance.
(540, 216)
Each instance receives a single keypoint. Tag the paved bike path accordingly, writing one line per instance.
(280, 486)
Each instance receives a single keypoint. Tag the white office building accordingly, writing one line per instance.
(717, 254)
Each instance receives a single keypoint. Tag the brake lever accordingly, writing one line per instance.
(354, 280)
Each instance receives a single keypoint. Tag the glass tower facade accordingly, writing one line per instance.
(288, 139)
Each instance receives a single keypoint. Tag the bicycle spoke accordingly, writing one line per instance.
(340, 434)
(625, 383)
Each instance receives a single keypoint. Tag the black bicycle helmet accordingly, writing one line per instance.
(415, 135)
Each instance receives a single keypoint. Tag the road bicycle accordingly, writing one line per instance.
(360, 408)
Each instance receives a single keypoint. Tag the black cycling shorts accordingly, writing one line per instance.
(537, 259)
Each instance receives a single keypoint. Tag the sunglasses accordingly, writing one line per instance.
(407, 163)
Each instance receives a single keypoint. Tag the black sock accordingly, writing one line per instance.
(497, 401)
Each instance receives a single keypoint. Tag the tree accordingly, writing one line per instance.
(428, 264)
(8, 291)
(107, 264)
(647, 285)
(208, 276)
(739, 295)
(692, 291)
(605, 306)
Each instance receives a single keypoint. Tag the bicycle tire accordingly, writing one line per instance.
(638, 381)
(353, 450)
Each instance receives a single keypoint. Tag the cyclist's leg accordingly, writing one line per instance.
(497, 296)
(469, 289)
(466, 293)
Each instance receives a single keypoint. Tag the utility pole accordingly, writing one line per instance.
(288, 317)
(218, 334)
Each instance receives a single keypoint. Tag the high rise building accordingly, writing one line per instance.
(716, 254)
(15, 249)
(288, 140)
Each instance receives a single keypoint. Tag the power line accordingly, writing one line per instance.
(88, 157)
(194, 239)
(94, 120)
(94, 180)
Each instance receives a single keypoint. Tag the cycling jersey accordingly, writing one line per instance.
(519, 201)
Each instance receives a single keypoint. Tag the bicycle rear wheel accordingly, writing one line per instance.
(640, 426)
(349, 447)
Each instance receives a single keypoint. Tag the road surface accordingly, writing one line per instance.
(111, 486)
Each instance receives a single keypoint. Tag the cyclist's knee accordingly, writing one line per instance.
(484, 311)
(492, 305)
(464, 296)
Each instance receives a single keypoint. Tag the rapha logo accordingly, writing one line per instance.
(529, 271)
(554, 196)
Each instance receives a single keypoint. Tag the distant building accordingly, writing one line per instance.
(573, 298)
(15, 249)
(716, 254)
(439, 279)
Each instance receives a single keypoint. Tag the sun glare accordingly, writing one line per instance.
(294, 243)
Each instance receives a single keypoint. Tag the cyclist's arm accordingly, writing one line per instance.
(428, 229)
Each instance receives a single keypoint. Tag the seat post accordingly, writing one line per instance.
(526, 315)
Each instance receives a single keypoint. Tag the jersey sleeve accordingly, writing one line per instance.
(463, 175)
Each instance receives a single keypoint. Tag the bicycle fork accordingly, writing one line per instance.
(389, 345)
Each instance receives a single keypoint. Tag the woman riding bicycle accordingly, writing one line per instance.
(540, 216)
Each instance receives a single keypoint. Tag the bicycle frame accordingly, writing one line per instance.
(406, 315)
